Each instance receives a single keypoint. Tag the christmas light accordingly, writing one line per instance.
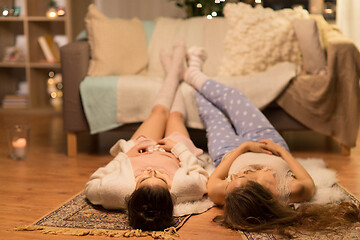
(5, 12)
(51, 13)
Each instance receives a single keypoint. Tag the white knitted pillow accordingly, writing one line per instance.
(258, 38)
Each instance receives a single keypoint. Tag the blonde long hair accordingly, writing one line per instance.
(253, 208)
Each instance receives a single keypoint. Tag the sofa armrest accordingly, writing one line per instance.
(75, 58)
(344, 50)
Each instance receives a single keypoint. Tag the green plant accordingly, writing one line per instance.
(210, 8)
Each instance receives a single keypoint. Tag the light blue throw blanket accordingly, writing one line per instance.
(98, 95)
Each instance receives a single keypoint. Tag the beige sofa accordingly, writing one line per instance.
(324, 100)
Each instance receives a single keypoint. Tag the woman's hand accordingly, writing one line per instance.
(275, 148)
(256, 147)
(167, 144)
(137, 150)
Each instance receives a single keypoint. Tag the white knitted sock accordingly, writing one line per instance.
(196, 57)
(179, 104)
(165, 59)
(167, 91)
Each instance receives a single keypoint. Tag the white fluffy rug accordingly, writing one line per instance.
(324, 179)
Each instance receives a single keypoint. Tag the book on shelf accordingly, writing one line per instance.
(15, 101)
(49, 48)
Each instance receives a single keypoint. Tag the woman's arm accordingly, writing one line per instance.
(217, 182)
(190, 179)
(108, 186)
(302, 188)
(187, 159)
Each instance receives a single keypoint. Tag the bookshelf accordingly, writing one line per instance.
(30, 25)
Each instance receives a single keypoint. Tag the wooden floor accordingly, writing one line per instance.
(31, 188)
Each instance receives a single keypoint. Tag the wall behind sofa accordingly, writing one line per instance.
(143, 9)
(348, 18)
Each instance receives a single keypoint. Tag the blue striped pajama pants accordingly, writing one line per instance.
(231, 119)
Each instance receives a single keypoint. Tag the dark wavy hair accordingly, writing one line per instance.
(150, 208)
(253, 208)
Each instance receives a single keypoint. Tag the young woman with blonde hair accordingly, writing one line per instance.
(256, 177)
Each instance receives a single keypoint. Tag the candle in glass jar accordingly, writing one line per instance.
(19, 146)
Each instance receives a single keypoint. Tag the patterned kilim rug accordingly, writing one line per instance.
(79, 217)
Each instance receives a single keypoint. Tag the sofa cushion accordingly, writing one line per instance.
(118, 46)
(148, 26)
(258, 38)
(328, 32)
(309, 40)
(196, 31)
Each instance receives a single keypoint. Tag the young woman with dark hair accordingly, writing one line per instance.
(256, 178)
(150, 173)
(150, 208)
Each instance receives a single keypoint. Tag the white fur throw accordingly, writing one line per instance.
(324, 179)
(258, 38)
